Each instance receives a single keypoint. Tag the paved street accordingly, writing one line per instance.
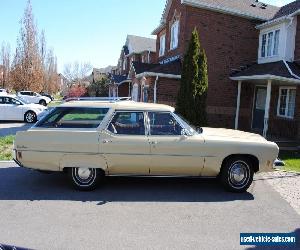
(11, 128)
(41, 211)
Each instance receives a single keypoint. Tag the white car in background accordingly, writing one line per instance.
(13, 108)
(3, 92)
(33, 97)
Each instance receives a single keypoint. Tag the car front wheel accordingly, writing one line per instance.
(30, 117)
(84, 179)
(237, 174)
(43, 102)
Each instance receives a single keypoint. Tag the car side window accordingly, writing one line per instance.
(8, 100)
(127, 123)
(74, 118)
(163, 123)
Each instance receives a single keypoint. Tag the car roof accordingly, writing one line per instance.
(8, 95)
(120, 105)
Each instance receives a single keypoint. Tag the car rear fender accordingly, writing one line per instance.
(83, 160)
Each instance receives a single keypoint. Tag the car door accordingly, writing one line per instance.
(125, 145)
(171, 152)
(2, 109)
(13, 109)
(25, 96)
(35, 97)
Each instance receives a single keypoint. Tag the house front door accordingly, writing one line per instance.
(259, 108)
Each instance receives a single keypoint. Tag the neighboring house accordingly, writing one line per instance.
(268, 96)
(232, 34)
(63, 84)
(97, 74)
(227, 33)
(136, 49)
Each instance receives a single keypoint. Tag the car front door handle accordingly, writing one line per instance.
(107, 141)
(154, 142)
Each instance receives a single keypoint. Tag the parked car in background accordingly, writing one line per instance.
(46, 94)
(13, 108)
(3, 92)
(33, 97)
(91, 139)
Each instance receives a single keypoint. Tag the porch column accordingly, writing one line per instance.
(117, 91)
(155, 90)
(109, 94)
(267, 108)
(238, 101)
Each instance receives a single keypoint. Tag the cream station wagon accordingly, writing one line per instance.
(92, 139)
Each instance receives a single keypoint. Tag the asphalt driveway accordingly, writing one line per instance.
(11, 128)
(41, 211)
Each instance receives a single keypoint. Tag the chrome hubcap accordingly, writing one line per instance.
(84, 173)
(238, 175)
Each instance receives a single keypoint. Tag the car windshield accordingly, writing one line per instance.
(191, 129)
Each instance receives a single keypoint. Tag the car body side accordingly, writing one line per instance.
(35, 98)
(16, 112)
(203, 154)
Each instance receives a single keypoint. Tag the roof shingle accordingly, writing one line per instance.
(138, 44)
(274, 68)
(173, 68)
(288, 9)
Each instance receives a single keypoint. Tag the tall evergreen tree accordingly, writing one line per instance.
(191, 100)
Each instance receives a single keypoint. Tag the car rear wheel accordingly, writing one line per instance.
(237, 174)
(85, 179)
(30, 117)
(43, 102)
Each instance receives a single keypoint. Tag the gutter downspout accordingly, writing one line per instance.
(155, 89)
(289, 69)
(149, 56)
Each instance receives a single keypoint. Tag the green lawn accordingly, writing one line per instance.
(6, 145)
(291, 160)
(54, 103)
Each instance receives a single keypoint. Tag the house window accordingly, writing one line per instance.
(162, 45)
(270, 44)
(174, 35)
(286, 102)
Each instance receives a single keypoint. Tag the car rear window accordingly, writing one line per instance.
(76, 117)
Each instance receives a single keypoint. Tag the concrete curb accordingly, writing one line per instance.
(7, 162)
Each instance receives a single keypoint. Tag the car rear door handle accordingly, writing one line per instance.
(107, 141)
(154, 142)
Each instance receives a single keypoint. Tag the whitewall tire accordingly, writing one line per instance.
(237, 174)
(85, 179)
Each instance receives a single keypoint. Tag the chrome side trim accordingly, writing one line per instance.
(131, 154)
(162, 176)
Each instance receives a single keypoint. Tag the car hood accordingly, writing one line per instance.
(232, 134)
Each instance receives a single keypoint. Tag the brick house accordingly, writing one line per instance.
(225, 20)
(268, 90)
(246, 90)
(138, 49)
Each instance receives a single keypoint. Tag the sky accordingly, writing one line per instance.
(91, 31)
